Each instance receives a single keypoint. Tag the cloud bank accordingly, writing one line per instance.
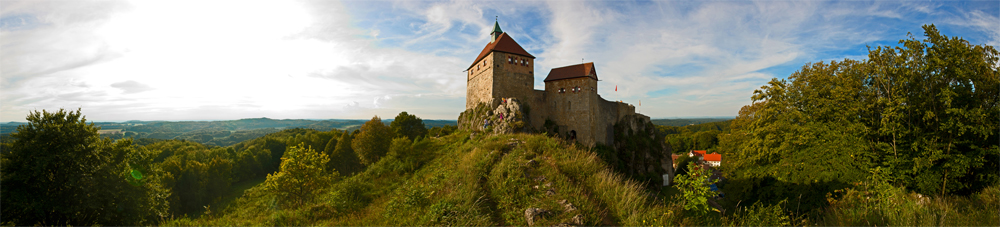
(204, 60)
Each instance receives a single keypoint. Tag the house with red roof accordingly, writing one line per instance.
(712, 159)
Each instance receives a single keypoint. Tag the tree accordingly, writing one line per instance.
(330, 146)
(372, 142)
(60, 172)
(408, 125)
(302, 176)
(342, 158)
(925, 111)
(694, 188)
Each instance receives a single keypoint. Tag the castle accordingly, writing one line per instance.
(570, 100)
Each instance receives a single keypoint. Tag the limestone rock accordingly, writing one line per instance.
(507, 117)
(568, 206)
(532, 214)
(642, 150)
(577, 220)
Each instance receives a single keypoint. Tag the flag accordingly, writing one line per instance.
(616, 87)
(640, 102)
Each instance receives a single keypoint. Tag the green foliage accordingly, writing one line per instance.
(682, 162)
(759, 214)
(330, 146)
(303, 174)
(408, 125)
(694, 187)
(343, 159)
(373, 141)
(59, 171)
(922, 112)
(876, 203)
(441, 131)
(195, 174)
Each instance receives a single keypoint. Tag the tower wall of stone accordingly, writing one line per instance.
(495, 77)
(574, 111)
(480, 84)
(511, 78)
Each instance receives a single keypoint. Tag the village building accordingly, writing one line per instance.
(713, 159)
(503, 69)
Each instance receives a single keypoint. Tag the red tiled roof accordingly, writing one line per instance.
(573, 71)
(505, 44)
(713, 157)
(699, 152)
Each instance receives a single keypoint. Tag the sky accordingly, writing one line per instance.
(222, 60)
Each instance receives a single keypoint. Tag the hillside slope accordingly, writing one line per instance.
(464, 179)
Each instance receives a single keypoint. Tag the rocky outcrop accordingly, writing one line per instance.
(640, 151)
(509, 116)
(532, 214)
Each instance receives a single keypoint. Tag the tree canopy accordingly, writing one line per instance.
(926, 111)
(372, 142)
(408, 125)
(60, 172)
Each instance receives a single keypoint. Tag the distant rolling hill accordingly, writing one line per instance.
(219, 133)
(688, 121)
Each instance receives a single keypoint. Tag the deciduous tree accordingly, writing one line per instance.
(372, 142)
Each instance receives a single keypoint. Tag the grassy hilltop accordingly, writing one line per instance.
(455, 180)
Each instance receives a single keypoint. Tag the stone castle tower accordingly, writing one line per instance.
(570, 101)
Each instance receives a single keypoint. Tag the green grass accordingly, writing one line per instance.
(491, 181)
(454, 180)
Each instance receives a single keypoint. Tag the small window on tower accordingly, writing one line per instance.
(510, 60)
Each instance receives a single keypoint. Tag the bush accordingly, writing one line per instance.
(302, 176)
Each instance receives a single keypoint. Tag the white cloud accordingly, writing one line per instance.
(217, 59)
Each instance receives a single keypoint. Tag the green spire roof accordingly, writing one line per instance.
(496, 28)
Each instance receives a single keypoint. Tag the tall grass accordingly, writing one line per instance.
(896, 206)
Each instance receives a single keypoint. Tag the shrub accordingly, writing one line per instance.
(302, 176)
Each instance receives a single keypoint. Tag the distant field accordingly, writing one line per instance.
(688, 121)
(109, 131)
(218, 133)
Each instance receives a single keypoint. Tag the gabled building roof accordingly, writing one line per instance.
(573, 71)
(503, 44)
(713, 157)
(698, 152)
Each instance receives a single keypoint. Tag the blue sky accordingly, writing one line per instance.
(217, 60)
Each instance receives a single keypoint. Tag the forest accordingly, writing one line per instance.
(908, 136)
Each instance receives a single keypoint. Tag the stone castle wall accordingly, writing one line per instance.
(573, 110)
(538, 111)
